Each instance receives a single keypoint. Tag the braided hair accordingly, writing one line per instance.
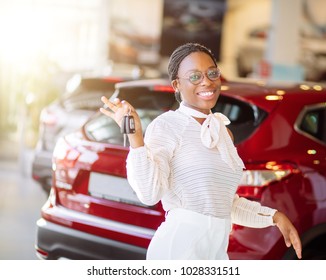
(179, 54)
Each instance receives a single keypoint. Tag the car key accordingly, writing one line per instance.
(127, 127)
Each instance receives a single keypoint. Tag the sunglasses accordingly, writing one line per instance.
(197, 77)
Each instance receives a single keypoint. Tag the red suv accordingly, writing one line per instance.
(92, 212)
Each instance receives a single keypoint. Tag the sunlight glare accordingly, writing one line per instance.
(23, 33)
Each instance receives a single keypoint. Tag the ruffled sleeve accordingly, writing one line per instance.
(251, 214)
(148, 167)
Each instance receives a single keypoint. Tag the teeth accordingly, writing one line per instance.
(205, 93)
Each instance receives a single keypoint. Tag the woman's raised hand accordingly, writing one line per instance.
(116, 110)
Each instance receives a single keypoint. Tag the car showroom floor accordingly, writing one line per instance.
(20, 201)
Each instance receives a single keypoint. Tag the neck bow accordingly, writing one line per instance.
(214, 134)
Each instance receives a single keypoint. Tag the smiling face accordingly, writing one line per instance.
(202, 96)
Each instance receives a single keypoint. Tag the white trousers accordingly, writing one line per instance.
(188, 235)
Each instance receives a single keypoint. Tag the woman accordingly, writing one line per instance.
(188, 162)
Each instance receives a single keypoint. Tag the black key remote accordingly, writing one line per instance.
(128, 125)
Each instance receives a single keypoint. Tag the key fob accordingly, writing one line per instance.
(128, 125)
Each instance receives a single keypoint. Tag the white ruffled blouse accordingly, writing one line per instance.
(188, 165)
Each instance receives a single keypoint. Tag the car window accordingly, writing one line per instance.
(313, 123)
(104, 129)
(86, 96)
(244, 117)
(148, 98)
(148, 103)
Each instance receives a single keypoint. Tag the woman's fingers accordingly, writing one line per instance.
(110, 109)
(107, 113)
(115, 109)
(289, 232)
(116, 104)
(296, 243)
(116, 101)
(108, 104)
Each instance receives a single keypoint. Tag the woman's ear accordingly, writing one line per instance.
(174, 84)
(177, 93)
